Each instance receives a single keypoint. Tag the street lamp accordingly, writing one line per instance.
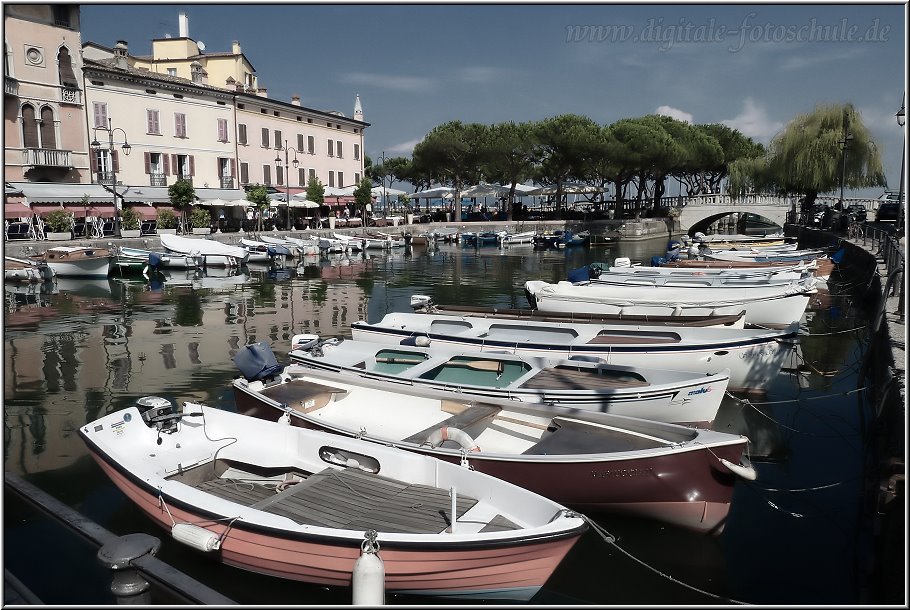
(125, 146)
(843, 170)
(385, 202)
(901, 121)
(287, 177)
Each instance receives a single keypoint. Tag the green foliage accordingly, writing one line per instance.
(363, 195)
(509, 155)
(200, 218)
(182, 194)
(166, 219)
(59, 221)
(315, 191)
(129, 219)
(450, 154)
(258, 195)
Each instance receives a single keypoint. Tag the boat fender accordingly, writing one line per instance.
(195, 536)
(422, 341)
(368, 578)
(746, 470)
(447, 433)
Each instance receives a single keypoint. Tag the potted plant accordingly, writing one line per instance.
(201, 221)
(129, 223)
(166, 222)
(59, 225)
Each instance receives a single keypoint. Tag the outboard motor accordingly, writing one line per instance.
(257, 362)
(159, 413)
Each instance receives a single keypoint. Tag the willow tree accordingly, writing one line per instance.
(808, 157)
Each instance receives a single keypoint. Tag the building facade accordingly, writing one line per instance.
(45, 138)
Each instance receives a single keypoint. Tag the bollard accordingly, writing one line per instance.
(128, 585)
(369, 574)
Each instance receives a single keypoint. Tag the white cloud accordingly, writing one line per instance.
(798, 61)
(389, 81)
(405, 148)
(674, 113)
(480, 74)
(753, 122)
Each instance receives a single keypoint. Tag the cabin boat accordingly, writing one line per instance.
(754, 356)
(300, 504)
(77, 261)
(214, 253)
(669, 396)
(585, 460)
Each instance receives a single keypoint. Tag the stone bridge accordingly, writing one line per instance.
(697, 213)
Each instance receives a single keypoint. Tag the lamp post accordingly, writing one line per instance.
(385, 202)
(287, 177)
(901, 121)
(843, 168)
(125, 146)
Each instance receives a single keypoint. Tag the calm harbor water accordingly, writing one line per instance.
(83, 348)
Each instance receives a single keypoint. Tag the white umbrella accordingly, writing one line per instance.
(303, 203)
(377, 191)
(484, 189)
(443, 192)
(215, 203)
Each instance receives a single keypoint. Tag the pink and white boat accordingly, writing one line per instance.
(299, 504)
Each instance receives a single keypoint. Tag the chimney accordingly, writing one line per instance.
(184, 25)
(235, 47)
(198, 74)
(121, 51)
(295, 99)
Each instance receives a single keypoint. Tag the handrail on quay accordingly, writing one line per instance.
(130, 566)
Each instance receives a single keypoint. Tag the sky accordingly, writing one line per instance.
(753, 67)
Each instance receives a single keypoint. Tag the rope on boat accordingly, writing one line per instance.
(750, 403)
(611, 540)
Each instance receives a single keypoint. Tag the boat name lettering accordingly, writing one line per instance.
(622, 473)
(702, 390)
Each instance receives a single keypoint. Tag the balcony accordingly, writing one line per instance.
(157, 180)
(46, 157)
(70, 95)
(104, 177)
(227, 182)
(10, 86)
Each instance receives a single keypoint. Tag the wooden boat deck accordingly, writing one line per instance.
(353, 499)
(566, 378)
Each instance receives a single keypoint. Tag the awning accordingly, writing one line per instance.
(17, 210)
(43, 209)
(204, 194)
(63, 192)
(145, 212)
(100, 211)
(144, 194)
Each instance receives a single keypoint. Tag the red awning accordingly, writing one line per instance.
(16, 210)
(43, 209)
(105, 211)
(145, 212)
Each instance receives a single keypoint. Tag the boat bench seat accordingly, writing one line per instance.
(464, 417)
(303, 396)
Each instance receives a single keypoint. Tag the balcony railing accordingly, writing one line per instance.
(105, 177)
(46, 157)
(10, 86)
(70, 95)
(227, 182)
(187, 178)
(157, 180)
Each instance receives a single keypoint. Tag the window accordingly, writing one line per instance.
(48, 129)
(184, 166)
(299, 142)
(222, 130)
(331, 177)
(331, 147)
(311, 144)
(172, 71)
(99, 111)
(267, 175)
(241, 134)
(265, 137)
(277, 139)
(156, 166)
(301, 176)
(65, 69)
(312, 177)
(340, 179)
(152, 120)
(245, 173)
(357, 152)
(338, 152)
(179, 124)
(279, 175)
(29, 127)
(356, 178)
(61, 15)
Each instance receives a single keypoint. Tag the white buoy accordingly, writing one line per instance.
(369, 574)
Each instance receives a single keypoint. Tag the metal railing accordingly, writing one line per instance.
(227, 182)
(129, 568)
(157, 180)
(10, 86)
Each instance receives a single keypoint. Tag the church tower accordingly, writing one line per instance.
(358, 109)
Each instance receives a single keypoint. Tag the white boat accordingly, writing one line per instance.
(510, 239)
(26, 271)
(302, 504)
(774, 305)
(582, 459)
(141, 259)
(668, 396)
(687, 279)
(753, 356)
(77, 261)
(295, 246)
(764, 256)
(354, 244)
(600, 269)
(333, 246)
(392, 241)
(214, 253)
(264, 252)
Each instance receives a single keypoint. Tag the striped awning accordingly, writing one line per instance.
(63, 192)
(16, 210)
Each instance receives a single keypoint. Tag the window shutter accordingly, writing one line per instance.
(116, 161)
(175, 164)
(299, 142)
(241, 133)
(167, 165)
(311, 144)
(267, 174)
(233, 169)
(192, 166)
(338, 149)
(148, 162)
(277, 139)
(244, 173)
(331, 145)
(265, 137)
(301, 177)
(93, 161)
